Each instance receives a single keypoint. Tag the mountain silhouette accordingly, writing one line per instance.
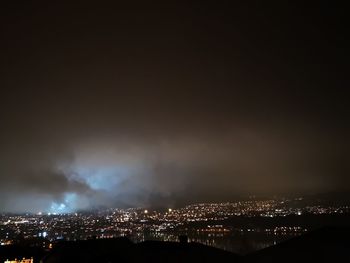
(327, 244)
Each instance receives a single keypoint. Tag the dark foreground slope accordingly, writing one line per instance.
(328, 244)
(123, 250)
(19, 252)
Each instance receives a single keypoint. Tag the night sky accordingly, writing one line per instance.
(169, 103)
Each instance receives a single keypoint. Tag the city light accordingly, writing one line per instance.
(134, 221)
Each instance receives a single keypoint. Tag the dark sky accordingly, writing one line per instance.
(170, 103)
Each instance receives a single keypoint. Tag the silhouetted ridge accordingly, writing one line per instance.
(328, 244)
(19, 252)
(123, 250)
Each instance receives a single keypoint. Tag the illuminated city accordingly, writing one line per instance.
(174, 131)
(204, 222)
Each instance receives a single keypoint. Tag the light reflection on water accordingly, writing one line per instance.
(241, 243)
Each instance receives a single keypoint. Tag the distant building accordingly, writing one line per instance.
(24, 260)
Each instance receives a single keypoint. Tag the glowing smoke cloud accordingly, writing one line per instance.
(101, 178)
(68, 205)
(107, 177)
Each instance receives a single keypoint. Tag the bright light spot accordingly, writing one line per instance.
(70, 203)
(58, 208)
(146, 211)
(170, 210)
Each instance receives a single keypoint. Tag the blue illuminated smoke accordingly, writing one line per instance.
(102, 178)
(105, 184)
(67, 205)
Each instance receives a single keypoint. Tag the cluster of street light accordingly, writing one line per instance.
(138, 222)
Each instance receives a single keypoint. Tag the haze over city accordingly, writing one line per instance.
(170, 104)
(174, 131)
